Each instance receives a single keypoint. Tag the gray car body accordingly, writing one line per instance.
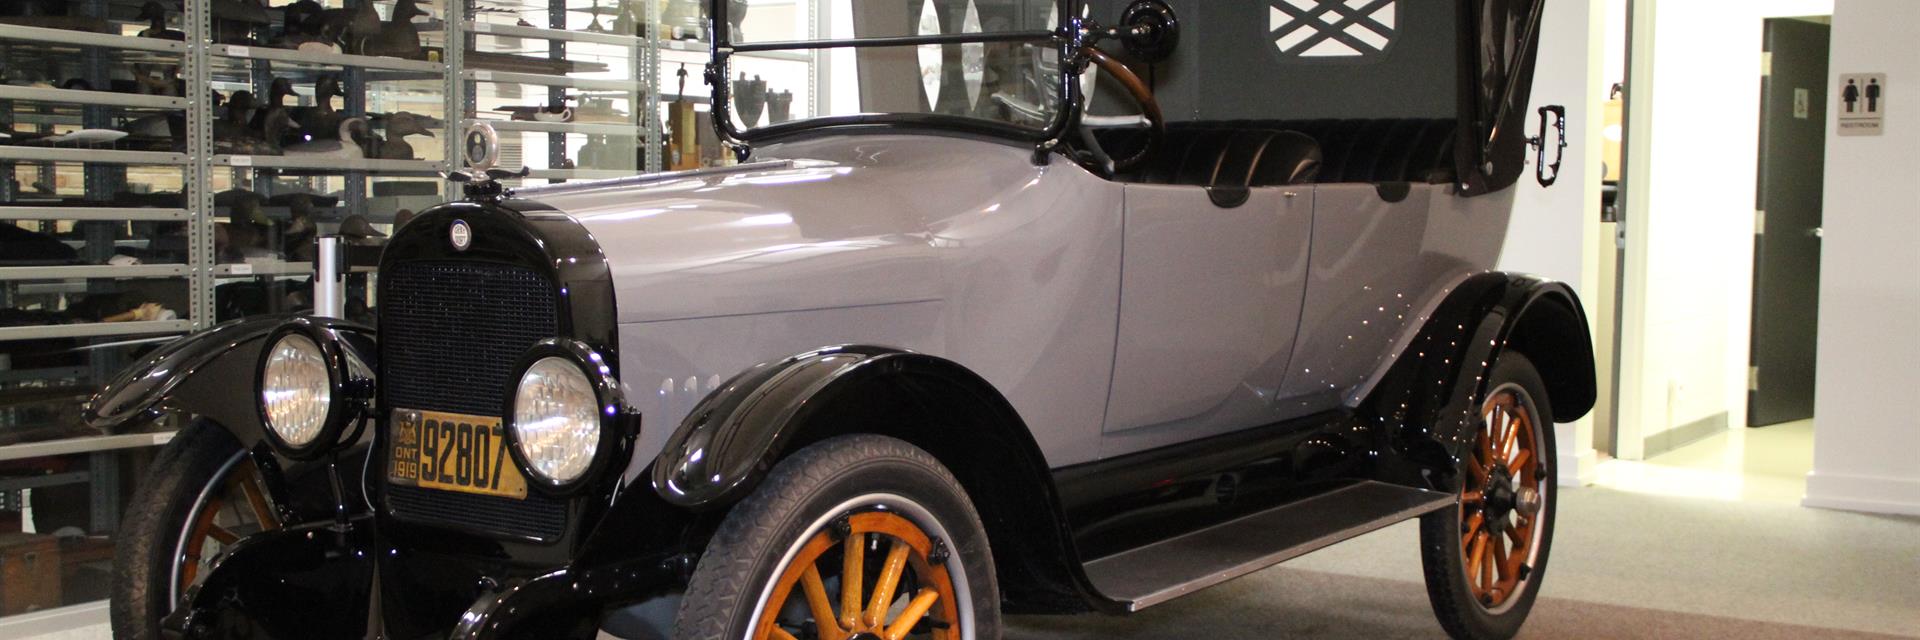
(1113, 317)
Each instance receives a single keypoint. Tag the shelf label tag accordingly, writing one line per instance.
(240, 52)
(243, 269)
(483, 75)
(241, 161)
(482, 27)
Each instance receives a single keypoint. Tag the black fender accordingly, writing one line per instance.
(208, 374)
(730, 441)
(1429, 395)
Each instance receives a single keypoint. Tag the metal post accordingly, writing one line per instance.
(557, 50)
(330, 277)
(198, 191)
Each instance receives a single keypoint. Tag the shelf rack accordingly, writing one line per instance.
(455, 25)
(95, 98)
(66, 37)
(641, 53)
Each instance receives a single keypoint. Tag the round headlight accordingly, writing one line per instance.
(296, 389)
(556, 420)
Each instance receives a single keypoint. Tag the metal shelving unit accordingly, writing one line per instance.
(562, 41)
(622, 71)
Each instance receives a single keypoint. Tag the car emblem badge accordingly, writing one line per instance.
(461, 234)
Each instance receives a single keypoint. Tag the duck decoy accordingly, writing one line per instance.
(351, 25)
(396, 38)
(86, 137)
(320, 120)
(555, 111)
(237, 197)
(356, 228)
(277, 93)
(156, 16)
(398, 126)
(156, 80)
(345, 148)
(300, 23)
(157, 132)
(233, 134)
(234, 21)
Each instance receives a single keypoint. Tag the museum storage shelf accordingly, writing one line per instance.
(85, 199)
(603, 75)
(90, 98)
(93, 213)
(71, 38)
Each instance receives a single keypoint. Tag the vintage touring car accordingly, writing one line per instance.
(1042, 314)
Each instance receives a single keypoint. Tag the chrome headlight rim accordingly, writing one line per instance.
(341, 405)
(610, 408)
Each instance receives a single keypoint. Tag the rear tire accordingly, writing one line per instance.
(193, 493)
(778, 561)
(1502, 504)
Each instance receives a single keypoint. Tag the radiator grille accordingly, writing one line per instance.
(450, 333)
(537, 517)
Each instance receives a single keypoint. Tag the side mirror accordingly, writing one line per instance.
(1554, 116)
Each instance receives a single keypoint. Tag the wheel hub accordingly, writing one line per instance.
(1500, 497)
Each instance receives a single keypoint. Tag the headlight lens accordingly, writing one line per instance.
(295, 389)
(556, 420)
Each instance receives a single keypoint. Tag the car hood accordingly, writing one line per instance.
(828, 223)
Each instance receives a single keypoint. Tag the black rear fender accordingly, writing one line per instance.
(1428, 395)
(729, 442)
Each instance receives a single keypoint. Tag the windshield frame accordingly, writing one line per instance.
(1069, 37)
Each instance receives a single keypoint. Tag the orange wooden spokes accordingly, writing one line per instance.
(238, 509)
(870, 601)
(1496, 539)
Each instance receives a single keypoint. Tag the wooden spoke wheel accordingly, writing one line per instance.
(233, 506)
(1502, 498)
(856, 537)
(869, 576)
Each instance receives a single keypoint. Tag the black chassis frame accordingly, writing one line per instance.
(329, 574)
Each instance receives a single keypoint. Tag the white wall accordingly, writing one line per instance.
(1690, 228)
(1866, 435)
(1553, 230)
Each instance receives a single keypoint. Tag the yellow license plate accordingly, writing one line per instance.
(453, 452)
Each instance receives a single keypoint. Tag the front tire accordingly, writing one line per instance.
(1485, 557)
(200, 495)
(856, 537)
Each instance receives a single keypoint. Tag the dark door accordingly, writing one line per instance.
(1786, 244)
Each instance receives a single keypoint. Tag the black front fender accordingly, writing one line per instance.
(208, 374)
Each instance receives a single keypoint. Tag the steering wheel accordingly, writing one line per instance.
(1149, 106)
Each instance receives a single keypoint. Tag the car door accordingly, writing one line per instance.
(1210, 300)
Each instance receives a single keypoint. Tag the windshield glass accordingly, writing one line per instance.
(1011, 81)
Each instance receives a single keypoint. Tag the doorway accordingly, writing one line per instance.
(1706, 286)
(1786, 239)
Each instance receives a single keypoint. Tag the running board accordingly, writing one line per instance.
(1143, 577)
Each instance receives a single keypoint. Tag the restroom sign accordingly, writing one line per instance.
(1863, 103)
